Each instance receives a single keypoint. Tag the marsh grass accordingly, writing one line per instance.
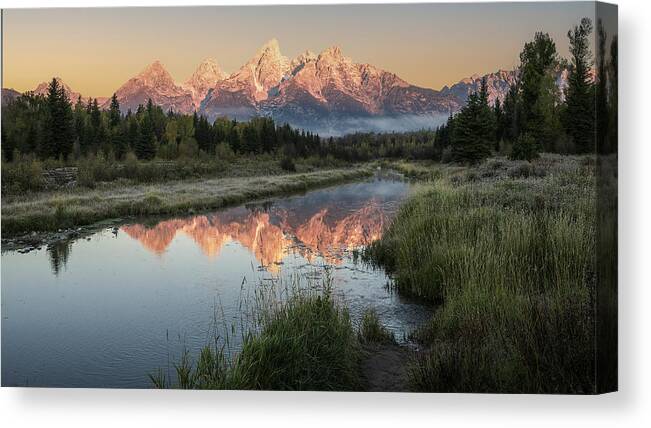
(371, 331)
(296, 338)
(510, 258)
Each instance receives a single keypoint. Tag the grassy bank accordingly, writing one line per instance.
(47, 211)
(304, 342)
(508, 250)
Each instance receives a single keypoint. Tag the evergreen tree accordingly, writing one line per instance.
(203, 134)
(145, 147)
(114, 112)
(80, 119)
(539, 62)
(499, 123)
(119, 141)
(525, 148)
(59, 127)
(234, 137)
(511, 113)
(133, 130)
(250, 139)
(268, 135)
(579, 98)
(474, 129)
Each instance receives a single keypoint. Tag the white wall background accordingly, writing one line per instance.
(629, 407)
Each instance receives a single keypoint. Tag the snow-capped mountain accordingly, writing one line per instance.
(498, 85)
(328, 93)
(155, 83)
(8, 95)
(41, 89)
(239, 95)
(333, 94)
(205, 77)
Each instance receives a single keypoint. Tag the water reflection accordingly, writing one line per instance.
(271, 231)
(59, 252)
(105, 310)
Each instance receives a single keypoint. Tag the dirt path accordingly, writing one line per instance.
(385, 368)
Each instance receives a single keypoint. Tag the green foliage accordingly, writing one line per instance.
(511, 260)
(525, 148)
(372, 331)
(22, 175)
(287, 164)
(58, 125)
(473, 136)
(580, 98)
(305, 343)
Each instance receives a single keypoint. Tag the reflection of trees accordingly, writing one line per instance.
(59, 253)
(257, 207)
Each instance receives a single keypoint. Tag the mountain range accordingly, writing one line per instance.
(327, 92)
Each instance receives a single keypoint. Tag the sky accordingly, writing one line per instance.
(96, 50)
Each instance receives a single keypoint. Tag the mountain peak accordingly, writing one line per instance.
(155, 75)
(207, 74)
(333, 54)
(155, 68)
(43, 87)
(208, 69)
(271, 44)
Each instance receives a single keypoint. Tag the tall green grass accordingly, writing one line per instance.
(303, 342)
(511, 260)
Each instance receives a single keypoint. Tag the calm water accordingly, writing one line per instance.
(104, 311)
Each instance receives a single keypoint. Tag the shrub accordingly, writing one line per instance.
(520, 170)
(22, 175)
(224, 152)
(287, 164)
(447, 155)
(525, 148)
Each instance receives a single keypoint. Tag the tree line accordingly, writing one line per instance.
(535, 114)
(51, 127)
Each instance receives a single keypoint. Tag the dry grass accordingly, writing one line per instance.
(78, 207)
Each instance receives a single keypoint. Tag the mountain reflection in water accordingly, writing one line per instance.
(107, 309)
(271, 232)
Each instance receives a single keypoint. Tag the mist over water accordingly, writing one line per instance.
(351, 125)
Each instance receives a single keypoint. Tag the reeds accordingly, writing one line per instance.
(294, 338)
(511, 260)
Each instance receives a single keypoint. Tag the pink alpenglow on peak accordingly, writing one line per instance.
(155, 83)
(327, 92)
(207, 74)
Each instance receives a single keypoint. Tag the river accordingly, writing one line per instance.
(107, 309)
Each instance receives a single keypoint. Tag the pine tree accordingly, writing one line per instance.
(114, 112)
(499, 123)
(145, 147)
(268, 135)
(251, 139)
(511, 113)
(539, 62)
(579, 98)
(59, 126)
(474, 129)
(525, 148)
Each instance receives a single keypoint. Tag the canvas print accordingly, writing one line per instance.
(388, 198)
